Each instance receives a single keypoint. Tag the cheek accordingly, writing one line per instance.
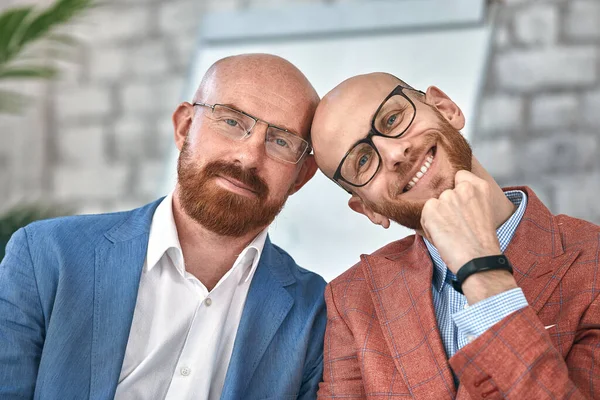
(280, 179)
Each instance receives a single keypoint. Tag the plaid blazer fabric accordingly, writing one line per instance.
(382, 339)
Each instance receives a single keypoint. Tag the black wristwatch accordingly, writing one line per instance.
(481, 264)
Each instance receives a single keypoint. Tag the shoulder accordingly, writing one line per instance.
(351, 284)
(580, 236)
(310, 282)
(83, 231)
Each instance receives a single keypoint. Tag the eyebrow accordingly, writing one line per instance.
(259, 119)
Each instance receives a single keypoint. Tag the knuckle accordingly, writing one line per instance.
(446, 195)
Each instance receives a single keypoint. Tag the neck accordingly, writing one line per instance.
(503, 207)
(208, 256)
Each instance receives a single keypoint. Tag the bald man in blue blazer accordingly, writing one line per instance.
(185, 297)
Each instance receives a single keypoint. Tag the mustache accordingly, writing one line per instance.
(407, 167)
(248, 177)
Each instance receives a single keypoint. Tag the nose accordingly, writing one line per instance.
(393, 151)
(250, 151)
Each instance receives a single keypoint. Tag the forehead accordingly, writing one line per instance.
(276, 101)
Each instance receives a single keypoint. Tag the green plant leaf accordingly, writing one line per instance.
(28, 72)
(62, 11)
(11, 22)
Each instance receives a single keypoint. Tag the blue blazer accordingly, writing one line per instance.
(68, 289)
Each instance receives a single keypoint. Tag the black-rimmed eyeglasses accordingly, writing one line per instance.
(280, 144)
(392, 119)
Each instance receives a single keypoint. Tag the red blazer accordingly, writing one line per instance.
(382, 339)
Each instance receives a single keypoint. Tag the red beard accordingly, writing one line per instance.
(217, 209)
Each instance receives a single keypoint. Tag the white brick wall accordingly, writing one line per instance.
(582, 20)
(555, 67)
(554, 111)
(537, 24)
(545, 57)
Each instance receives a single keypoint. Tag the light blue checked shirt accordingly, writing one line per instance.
(459, 323)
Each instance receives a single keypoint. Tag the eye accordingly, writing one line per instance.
(231, 122)
(391, 120)
(363, 160)
(281, 142)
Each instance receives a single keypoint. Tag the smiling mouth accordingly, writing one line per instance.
(422, 171)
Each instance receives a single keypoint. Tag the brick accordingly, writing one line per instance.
(160, 96)
(577, 195)
(180, 18)
(537, 24)
(151, 179)
(582, 20)
(91, 183)
(85, 101)
(554, 111)
(501, 112)
(107, 63)
(149, 59)
(113, 23)
(497, 157)
(556, 67)
(131, 139)
(82, 146)
(558, 154)
(591, 109)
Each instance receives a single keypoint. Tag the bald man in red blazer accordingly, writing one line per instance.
(383, 338)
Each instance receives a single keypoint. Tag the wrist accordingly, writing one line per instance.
(459, 262)
(486, 284)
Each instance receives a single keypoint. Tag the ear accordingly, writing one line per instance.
(357, 205)
(449, 110)
(307, 171)
(182, 121)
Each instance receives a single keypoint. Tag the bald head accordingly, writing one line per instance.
(351, 103)
(264, 77)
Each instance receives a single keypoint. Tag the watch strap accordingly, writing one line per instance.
(481, 264)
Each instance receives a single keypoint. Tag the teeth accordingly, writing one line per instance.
(420, 173)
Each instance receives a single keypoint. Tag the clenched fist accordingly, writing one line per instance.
(461, 222)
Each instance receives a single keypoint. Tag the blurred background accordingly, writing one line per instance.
(97, 136)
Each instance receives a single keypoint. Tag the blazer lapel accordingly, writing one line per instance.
(267, 305)
(118, 265)
(537, 253)
(401, 292)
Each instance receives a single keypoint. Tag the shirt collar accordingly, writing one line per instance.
(505, 232)
(164, 239)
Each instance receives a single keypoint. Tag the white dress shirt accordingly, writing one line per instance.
(182, 335)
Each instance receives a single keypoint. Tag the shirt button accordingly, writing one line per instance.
(185, 371)
(470, 338)
(466, 306)
(208, 302)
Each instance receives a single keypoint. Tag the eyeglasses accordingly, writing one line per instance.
(280, 144)
(392, 119)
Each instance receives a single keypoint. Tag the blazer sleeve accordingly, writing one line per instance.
(516, 359)
(21, 321)
(342, 376)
